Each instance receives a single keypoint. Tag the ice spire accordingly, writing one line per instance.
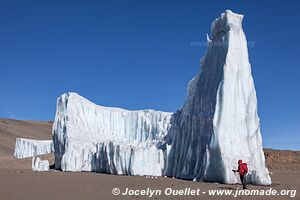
(218, 123)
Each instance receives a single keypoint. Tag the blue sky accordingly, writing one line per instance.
(138, 54)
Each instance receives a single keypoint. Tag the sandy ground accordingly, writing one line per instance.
(24, 184)
(17, 181)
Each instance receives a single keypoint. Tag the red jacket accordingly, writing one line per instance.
(242, 168)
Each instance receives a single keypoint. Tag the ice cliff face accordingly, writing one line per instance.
(25, 148)
(218, 123)
(88, 137)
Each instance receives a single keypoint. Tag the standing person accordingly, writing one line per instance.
(242, 170)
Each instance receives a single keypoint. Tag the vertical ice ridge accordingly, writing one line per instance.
(218, 123)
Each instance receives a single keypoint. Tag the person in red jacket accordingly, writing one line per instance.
(242, 170)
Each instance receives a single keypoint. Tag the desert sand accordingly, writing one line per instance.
(17, 181)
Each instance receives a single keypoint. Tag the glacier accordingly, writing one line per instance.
(25, 148)
(219, 124)
(90, 137)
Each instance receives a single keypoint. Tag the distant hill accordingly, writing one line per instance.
(282, 159)
(10, 129)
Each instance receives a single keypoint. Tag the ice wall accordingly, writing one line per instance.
(218, 123)
(25, 148)
(89, 137)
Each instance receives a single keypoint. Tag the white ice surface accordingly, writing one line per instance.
(89, 137)
(25, 148)
(218, 123)
(39, 165)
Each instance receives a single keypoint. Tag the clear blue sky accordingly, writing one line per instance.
(138, 54)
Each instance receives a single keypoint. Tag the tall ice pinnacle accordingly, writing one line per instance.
(219, 124)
